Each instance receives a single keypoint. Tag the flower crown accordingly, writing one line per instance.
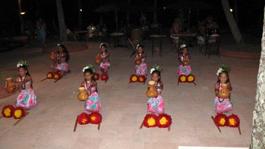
(138, 45)
(183, 46)
(155, 68)
(89, 67)
(101, 44)
(222, 68)
(22, 63)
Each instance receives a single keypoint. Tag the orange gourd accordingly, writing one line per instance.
(133, 78)
(224, 92)
(19, 112)
(83, 94)
(8, 111)
(10, 85)
(151, 90)
(98, 59)
(50, 75)
(57, 75)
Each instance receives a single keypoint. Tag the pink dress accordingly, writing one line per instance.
(63, 67)
(222, 105)
(93, 102)
(105, 63)
(184, 70)
(26, 97)
(141, 69)
(156, 105)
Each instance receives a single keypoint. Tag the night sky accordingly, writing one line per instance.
(250, 13)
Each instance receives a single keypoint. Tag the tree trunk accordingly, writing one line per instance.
(258, 135)
(231, 21)
(60, 15)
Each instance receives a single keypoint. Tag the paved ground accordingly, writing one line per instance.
(50, 124)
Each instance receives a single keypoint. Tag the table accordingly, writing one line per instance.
(117, 36)
(158, 37)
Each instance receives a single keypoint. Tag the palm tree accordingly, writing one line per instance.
(60, 15)
(231, 21)
(258, 135)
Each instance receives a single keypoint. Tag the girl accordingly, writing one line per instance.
(62, 60)
(104, 58)
(223, 90)
(184, 59)
(140, 64)
(155, 105)
(92, 104)
(26, 97)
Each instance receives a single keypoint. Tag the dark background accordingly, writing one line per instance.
(250, 13)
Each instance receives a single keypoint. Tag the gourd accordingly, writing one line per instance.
(190, 78)
(49, 75)
(8, 111)
(141, 79)
(151, 90)
(83, 118)
(57, 75)
(98, 59)
(10, 85)
(104, 77)
(133, 78)
(19, 112)
(224, 92)
(83, 94)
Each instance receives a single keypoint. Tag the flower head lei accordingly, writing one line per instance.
(89, 67)
(138, 46)
(22, 63)
(155, 68)
(222, 68)
(183, 46)
(102, 44)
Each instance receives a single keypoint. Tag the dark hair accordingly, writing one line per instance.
(158, 73)
(139, 46)
(89, 70)
(25, 68)
(227, 74)
(103, 45)
(67, 56)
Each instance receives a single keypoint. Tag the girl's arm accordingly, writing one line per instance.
(160, 87)
(229, 86)
(18, 82)
(216, 89)
(82, 84)
(94, 87)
